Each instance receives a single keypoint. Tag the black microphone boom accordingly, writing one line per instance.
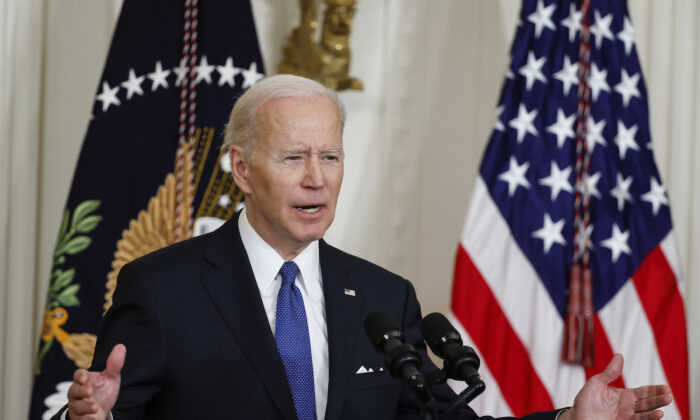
(461, 362)
(401, 358)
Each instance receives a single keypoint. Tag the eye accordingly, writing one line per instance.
(332, 157)
(292, 158)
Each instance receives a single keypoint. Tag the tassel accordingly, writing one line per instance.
(573, 323)
(588, 313)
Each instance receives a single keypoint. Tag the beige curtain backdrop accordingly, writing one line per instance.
(432, 72)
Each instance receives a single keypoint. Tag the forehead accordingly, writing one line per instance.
(314, 117)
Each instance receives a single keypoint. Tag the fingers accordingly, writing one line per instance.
(81, 408)
(80, 376)
(77, 391)
(80, 400)
(649, 415)
(115, 361)
(651, 390)
(613, 371)
(652, 403)
(82, 386)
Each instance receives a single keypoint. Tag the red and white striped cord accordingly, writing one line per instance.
(188, 115)
(578, 326)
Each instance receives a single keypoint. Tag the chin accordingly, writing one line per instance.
(312, 234)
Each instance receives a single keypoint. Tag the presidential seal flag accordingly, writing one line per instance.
(150, 172)
(568, 253)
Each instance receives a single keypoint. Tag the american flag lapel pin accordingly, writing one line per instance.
(349, 292)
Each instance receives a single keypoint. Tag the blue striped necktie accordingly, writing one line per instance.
(292, 337)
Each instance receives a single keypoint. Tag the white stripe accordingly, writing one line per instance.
(669, 246)
(630, 334)
(522, 296)
(491, 401)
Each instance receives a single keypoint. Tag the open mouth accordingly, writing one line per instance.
(309, 209)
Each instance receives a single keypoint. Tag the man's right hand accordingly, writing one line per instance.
(93, 394)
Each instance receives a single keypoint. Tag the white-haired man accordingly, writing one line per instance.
(262, 318)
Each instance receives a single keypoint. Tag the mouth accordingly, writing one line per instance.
(313, 209)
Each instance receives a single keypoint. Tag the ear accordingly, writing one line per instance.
(240, 168)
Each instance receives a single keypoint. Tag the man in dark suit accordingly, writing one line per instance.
(262, 318)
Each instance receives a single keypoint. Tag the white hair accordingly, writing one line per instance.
(240, 129)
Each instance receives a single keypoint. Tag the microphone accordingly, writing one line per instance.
(460, 362)
(401, 358)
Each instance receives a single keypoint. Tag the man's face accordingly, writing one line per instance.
(292, 179)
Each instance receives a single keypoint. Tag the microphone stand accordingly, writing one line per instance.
(475, 386)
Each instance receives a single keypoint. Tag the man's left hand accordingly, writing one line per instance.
(598, 401)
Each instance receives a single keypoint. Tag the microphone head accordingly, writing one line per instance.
(379, 327)
(437, 331)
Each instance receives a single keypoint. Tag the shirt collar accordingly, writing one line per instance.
(266, 262)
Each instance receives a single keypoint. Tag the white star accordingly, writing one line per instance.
(498, 125)
(597, 81)
(558, 180)
(515, 176)
(542, 17)
(617, 243)
(628, 87)
(583, 239)
(523, 122)
(594, 133)
(533, 70)
(590, 185)
(568, 74)
(573, 22)
(204, 70)
(621, 192)
(227, 72)
(627, 35)
(625, 138)
(181, 71)
(251, 76)
(133, 85)
(224, 200)
(656, 196)
(510, 75)
(108, 96)
(562, 128)
(550, 233)
(601, 28)
(158, 77)
(225, 163)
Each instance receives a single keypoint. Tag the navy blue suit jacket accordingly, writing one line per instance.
(199, 343)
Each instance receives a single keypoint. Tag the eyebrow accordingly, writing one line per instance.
(306, 152)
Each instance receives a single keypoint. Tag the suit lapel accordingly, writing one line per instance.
(232, 287)
(343, 310)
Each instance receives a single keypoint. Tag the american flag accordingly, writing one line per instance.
(569, 177)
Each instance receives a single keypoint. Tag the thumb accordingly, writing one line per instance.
(613, 371)
(115, 361)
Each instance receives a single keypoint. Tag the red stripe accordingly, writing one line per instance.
(663, 305)
(602, 353)
(477, 309)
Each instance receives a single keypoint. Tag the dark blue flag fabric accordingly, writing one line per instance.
(568, 253)
(150, 171)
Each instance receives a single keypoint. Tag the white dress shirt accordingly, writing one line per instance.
(266, 264)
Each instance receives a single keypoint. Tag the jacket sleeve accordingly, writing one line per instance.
(134, 321)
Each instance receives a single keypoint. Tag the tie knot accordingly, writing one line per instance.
(289, 271)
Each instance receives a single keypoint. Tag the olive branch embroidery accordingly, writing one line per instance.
(62, 293)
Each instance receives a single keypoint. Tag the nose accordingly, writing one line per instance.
(313, 177)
